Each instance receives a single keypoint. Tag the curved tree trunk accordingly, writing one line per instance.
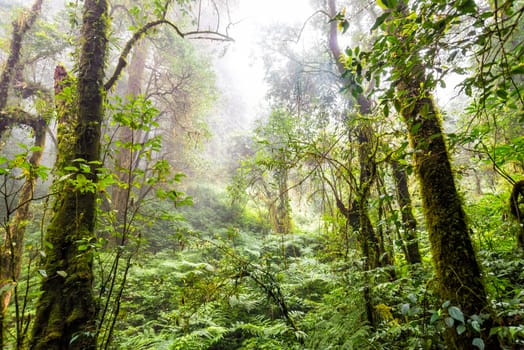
(65, 317)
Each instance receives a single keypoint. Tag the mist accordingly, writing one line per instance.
(248, 174)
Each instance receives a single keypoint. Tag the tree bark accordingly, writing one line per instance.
(125, 158)
(368, 238)
(11, 251)
(409, 222)
(369, 241)
(65, 316)
(12, 246)
(516, 202)
(20, 26)
(456, 267)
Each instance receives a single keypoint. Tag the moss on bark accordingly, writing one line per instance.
(20, 27)
(65, 317)
(409, 222)
(457, 270)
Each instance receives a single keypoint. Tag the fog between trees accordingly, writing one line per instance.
(222, 174)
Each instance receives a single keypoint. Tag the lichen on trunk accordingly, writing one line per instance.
(65, 317)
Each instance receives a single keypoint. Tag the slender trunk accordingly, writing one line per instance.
(65, 315)
(369, 242)
(124, 158)
(125, 164)
(11, 252)
(367, 166)
(409, 222)
(515, 204)
(283, 216)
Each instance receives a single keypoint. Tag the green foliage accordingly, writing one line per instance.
(18, 166)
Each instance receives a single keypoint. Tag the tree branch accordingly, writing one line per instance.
(208, 35)
(20, 27)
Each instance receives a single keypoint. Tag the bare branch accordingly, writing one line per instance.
(208, 35)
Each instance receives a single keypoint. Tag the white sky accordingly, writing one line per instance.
(242, 65)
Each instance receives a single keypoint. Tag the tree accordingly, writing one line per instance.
(65, 317)
(67, 310)
(402, 46)
(363, 97)
(11, 250)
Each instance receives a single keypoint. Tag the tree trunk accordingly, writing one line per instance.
(370, 244)
(409, 222)
(456, 266)
(125, 157)
(65, 315)
(457, 271)
(283, 215)
(11, 251)
(517, 211)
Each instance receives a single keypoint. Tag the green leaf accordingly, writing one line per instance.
(449, 322)
(386, 4)
(502, 94)
(379, 21)
(467, 6)
(415, 128)
(343, 26)
(434, 317)
(479, 343)
(61, 273)
(397, 105)
(456, 313)
(461, 329)
(518, 70)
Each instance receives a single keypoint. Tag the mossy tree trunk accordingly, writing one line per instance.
(11, 249)
(409, 223)
(358, 213)
(65, 316)
(456, 267)
(282, 207)
(20, 27)
(516, 204)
